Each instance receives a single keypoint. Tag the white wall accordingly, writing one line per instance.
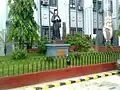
(3, 17)
(3, 11)
(37, 12)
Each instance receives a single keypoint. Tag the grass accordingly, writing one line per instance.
(36, 62)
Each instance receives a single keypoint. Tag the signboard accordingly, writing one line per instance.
(60, 52)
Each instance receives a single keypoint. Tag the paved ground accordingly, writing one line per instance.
(106, 83)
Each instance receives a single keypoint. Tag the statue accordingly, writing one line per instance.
(56, 25)
(107, 29)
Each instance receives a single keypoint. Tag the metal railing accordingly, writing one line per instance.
(42, 63)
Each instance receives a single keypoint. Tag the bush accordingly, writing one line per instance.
(93, 41)
(108, 47)
(19, 54)
(80, 40)
(41, 44)
(92, 50)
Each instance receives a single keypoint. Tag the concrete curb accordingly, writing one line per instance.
(86, 78)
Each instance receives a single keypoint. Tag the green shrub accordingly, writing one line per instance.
(80, 40)
(108, 47)
(19, 54)
(93, 41)
(41, 44)
(92, 50)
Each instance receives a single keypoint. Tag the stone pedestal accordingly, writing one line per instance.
(58, 42)
(57, 49)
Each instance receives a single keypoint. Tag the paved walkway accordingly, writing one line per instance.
(100, 81)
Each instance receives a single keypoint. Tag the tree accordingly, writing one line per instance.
(118, 32)
(23, 28)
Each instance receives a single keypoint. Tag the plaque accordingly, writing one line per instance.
(60, 52)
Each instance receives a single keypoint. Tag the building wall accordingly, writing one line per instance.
(86, 19)
(3, 18)
(116, 40)
(76, 18)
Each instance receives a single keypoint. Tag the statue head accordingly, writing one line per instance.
(55, 12)
(108, 21)
(55, 17)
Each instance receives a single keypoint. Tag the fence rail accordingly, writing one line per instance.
(42, 63)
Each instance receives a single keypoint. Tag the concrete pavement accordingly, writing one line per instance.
(111, 82)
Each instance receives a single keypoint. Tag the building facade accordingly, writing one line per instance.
(76, 16)
(79, 16)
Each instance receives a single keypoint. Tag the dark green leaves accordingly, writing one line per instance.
(118, 32)
(80, 40)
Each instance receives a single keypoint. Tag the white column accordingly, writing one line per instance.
(63, 10)
(36, 12)
(88, 17)
(115, 14)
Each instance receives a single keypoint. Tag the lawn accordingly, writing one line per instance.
(36, 62)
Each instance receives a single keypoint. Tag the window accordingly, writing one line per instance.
(111, 6)
(94, 5)
(53, 3)
(94, 31)
(99, 5)
(72, 2)
(78, 2)
(45, 31)
(73, 30)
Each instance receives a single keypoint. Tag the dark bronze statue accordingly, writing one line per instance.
(56, 25)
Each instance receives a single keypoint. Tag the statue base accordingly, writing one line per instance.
(58, 42)
(57, 50)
